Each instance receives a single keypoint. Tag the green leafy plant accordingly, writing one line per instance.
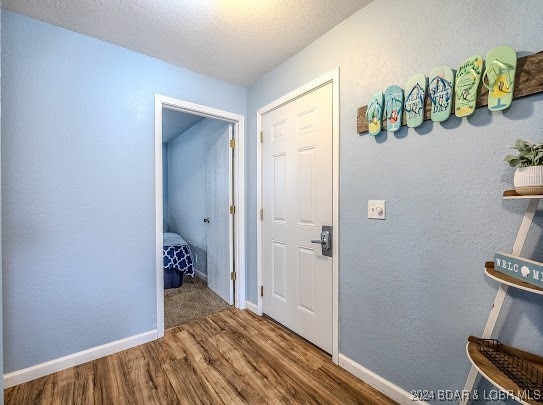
(529, 154)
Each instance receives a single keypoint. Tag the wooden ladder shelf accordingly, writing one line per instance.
(479, 362)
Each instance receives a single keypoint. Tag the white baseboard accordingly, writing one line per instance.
(199, 274)
(251, 307)
(376, 381)
(52, 366)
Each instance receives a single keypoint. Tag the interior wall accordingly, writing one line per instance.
(187, 177)
(79, 186)
(1, 253)
(412, 287)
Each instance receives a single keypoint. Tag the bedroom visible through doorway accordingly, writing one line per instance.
(196, 160)
(197, 216)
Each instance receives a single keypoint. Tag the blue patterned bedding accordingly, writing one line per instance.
(177, 255)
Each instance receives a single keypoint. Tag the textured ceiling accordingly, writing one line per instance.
(238, 41)
(174, 123)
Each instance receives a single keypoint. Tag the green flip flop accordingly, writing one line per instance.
(441, 92)
(499, 77)
(374, 113)
(468, 77)
(394, 107)
(414, 100)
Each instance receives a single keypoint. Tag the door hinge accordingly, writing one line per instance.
(232, 209)
(261, 290)
(261, 136)
(261, 214)
(233, 275)
(232, 143)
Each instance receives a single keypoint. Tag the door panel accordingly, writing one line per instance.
(279, 270)
(279, 187)
(306, 163)
(297, 202)
(306, 282)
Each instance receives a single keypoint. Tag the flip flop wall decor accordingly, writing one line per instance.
(506, 78)
(440, 88)
(468, 76)
(374, 113)
(415, 90)
(394, 107)
(499, 77)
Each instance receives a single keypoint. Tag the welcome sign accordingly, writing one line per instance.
(522, 269)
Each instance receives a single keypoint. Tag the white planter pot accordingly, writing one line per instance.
(529, 180)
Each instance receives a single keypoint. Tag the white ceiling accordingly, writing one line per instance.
(238, 41)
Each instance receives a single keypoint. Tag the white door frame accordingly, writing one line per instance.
(238, 237)
(330, 77)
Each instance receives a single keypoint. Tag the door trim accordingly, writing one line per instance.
(330, 77)
(238, 121)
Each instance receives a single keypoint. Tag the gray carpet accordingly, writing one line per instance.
(193, 300)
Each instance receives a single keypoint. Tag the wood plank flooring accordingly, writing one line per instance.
(230, 357)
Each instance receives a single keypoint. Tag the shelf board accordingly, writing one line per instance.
(513, 195)
(511, 281)
(497, 377)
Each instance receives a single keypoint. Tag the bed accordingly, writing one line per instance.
(177, 259)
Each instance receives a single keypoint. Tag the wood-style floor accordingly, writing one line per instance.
(230, 357)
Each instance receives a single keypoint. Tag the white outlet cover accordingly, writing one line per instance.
(376, 209)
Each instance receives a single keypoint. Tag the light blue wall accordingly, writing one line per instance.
(78, 186)
(165, 223)
(1, 283)
(176, 122)
(412, 287)
(187, 167)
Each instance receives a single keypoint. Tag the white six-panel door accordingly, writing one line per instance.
(297, 202)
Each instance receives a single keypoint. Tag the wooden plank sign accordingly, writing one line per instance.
(520, 268)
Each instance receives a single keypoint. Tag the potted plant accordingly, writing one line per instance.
(529, 162)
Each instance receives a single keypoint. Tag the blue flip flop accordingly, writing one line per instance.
(414, 100)
(441, 92)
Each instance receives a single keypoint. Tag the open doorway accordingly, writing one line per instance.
(199, 211)
(197, 177)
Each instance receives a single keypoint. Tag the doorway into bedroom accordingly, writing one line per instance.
(197, 220)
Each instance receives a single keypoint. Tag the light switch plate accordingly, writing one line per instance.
(376, 209)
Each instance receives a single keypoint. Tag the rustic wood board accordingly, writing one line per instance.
(528, 81)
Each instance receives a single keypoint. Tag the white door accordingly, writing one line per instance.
(297, 202)
(219, 195)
